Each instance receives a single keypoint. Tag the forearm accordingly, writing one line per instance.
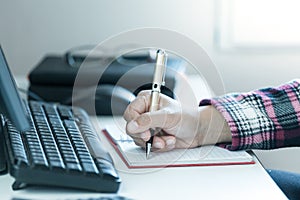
(263, 119)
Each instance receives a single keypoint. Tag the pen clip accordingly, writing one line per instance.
(161, 60)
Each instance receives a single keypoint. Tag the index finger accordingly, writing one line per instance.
(137, 107)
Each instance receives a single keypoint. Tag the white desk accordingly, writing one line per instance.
(220, 182)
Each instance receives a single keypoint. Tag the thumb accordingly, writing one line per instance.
(156, 119)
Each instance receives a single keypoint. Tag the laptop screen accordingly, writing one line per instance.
(11, 105)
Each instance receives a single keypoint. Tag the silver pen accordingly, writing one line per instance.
(158, 81)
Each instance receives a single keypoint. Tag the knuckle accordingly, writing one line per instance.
(128, 113)
(144, 119)
(144, 93)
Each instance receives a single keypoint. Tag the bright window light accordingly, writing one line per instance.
(258, 23)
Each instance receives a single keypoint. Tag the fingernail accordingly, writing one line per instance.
(144, 135)
(158, 145)
(132, 126)
(170, 142)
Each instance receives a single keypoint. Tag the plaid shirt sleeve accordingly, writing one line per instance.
(267, 118)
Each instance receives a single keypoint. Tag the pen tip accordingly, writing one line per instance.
(148, 148)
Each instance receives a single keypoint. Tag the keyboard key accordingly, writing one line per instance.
(71, 160)
(40, 163)
(73, 167)
(21, 162)
(89, 168)
(106, 168)
(56, 164)
(65, 113)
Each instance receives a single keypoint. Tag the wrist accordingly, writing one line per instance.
(213, 127)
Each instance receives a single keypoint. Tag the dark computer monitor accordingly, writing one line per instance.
(11, 105)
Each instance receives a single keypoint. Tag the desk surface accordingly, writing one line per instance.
(219, 182)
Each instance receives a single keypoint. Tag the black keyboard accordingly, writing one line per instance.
(61, 149)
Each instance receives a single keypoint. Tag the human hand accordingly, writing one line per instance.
(180, 127)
